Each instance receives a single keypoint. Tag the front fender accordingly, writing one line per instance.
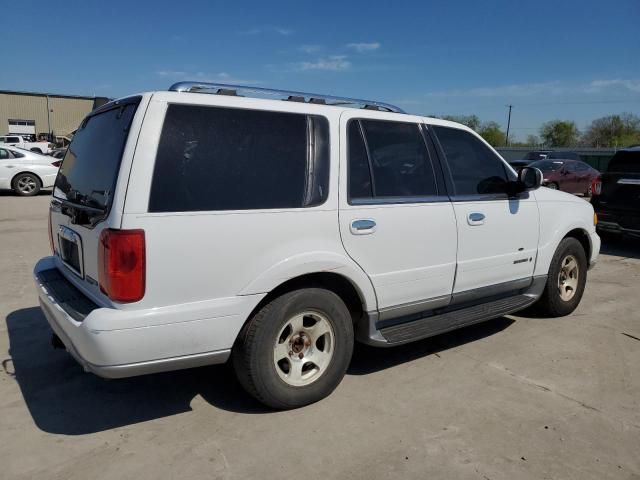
(314, 262)
(560, 213)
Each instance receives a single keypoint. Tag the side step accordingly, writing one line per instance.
(444, 322)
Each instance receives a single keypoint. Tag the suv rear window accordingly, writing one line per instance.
(214, 158)
(90, 167)
(625, 162)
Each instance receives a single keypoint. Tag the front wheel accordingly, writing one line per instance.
(26, 184)
(296, 349)
(566, 280)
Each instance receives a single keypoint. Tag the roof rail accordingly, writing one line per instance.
(226, 89)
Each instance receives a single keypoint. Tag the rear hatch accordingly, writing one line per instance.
(81, 206)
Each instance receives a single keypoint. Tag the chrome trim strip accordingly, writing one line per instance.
(222, 88)
(629, 181)
(414, 307)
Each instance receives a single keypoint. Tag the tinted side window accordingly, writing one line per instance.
(359, 175)
(625, 161)
(474, 167)
(212, 158)
(4, 154)
(399, 159)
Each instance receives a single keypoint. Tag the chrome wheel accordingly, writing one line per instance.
(304, 348)
(568, 278)
(26, 184)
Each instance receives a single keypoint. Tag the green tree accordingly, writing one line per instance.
(471, 121)
(613, 131)
(532, 141)
(559, 133)
(493, 134)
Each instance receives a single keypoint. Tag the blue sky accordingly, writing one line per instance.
(574, 60)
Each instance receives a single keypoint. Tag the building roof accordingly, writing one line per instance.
(40, 94)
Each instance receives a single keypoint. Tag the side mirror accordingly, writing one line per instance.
(529, 178)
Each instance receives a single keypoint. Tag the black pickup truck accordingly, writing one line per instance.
(616, 194)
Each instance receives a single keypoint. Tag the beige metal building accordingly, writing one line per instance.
(41, 114)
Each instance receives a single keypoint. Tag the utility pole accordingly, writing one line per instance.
(506, 140)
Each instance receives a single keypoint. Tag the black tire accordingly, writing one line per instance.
(36, 150)
(253, 354)
(26, 184)
(551, 303)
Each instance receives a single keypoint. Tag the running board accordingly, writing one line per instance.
(444, 322)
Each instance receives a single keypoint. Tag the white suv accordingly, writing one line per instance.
(197, 224)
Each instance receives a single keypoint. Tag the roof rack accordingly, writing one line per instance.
(226, 89)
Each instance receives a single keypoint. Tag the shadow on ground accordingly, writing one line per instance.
(11, 193)
(63, 399)
(628, 247)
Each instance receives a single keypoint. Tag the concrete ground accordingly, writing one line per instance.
(514, 398)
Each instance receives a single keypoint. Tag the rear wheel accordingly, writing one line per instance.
(36, 150)
(296, 349)
(566, 280)
(26, 184)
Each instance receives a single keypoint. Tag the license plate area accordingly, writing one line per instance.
(71, 250)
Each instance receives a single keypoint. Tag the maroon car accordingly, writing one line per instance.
(571, 176)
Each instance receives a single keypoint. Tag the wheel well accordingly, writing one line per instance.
(583, 238)
(333, 282)
(26, 171)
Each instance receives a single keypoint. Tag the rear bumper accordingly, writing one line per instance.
(137, 342)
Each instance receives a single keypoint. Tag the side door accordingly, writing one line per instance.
(396, 220)
(570, 182)
(584, 176)
(497, 234)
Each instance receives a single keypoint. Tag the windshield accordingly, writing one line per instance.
(625, 162)
(547, 165)
(90, 166)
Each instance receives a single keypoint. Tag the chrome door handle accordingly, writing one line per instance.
(364, 226)
(475, 218)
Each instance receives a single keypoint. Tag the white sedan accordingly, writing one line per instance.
(25, 172)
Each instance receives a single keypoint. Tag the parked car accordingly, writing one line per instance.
(317, 224)
(537, 155)
(24, 143)
(563, 156)
(616, 194)
(25, 172)
(567, 175)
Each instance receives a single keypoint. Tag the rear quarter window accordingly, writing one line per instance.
(625, 162)
(213, 158)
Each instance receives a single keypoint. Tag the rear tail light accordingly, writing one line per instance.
(596, 186)
(122, 264)
(57, 163)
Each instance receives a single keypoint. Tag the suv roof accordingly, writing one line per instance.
(287, 95)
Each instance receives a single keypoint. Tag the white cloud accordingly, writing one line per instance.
(334, 63)
(364, 47)
(516, 90)
(597, 86)
(310, 48)
(267, 29)
(219, 77)
(555, 87)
